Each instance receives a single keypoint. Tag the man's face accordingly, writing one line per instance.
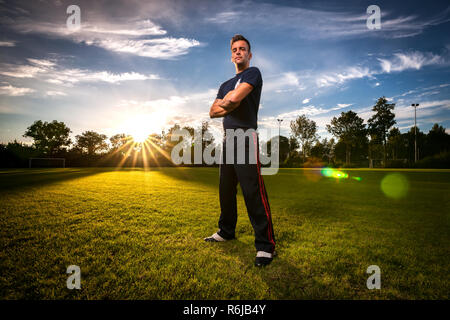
(239, 53)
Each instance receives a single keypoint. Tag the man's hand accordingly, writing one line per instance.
(216, 111)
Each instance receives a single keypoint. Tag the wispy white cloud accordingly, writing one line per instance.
(42, 62)
(134, 28)
(306, 100)
(322, 23)
(284, 82)
(72, 76)
(301, 80)
(55, 93)
(161, 48)
(341, 106)
(127, 37)
(22, 71)
(308, 110)
(7, 43)
(428, 93)
(414, 60)
(434, 103)
(334, 78)
(311, 110)
(224, 17)
(10, 90)
(293, 81)
(420, 92)
(50, 72)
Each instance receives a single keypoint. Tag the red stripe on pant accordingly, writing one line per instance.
(263, 193)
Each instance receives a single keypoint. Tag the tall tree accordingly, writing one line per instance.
(121, 143)
(201, 140)
(395, 142)
(118, 140)
(284, 148)
(49, 138)
(350, 129)
(168, 144)
(329, 149)
(293, 144)
(324, 149)
(437, 140)
(205, 142)
(167, 138)
(317, 150)
(92, 142)
(382, 121)
(305, 130)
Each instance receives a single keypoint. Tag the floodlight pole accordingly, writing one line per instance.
(279, 125)
(415, 105)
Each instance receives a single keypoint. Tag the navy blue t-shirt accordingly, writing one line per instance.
(246, 114)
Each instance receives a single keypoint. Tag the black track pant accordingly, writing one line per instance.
(249, 177)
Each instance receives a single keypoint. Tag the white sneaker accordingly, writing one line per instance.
(215, 238)
(263, 258)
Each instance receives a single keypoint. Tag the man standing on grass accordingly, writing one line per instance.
(238, 102)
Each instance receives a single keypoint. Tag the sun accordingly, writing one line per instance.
(141, 126)
(139, 129)
(140, 136)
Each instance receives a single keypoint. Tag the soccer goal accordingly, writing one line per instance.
(376, 163)
(46, 162)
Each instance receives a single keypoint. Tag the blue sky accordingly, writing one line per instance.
(145, 65)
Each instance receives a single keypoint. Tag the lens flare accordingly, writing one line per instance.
(333, 173)
(395, 185)
(336, 174)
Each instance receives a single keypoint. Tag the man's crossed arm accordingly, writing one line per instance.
(231, 101)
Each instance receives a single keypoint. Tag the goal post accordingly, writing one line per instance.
(46, 162)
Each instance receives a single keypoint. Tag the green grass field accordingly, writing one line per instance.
(138, 234)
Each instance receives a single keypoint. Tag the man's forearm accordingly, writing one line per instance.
(216, 111)
(221, 107)
(229, 105)
(227, 102)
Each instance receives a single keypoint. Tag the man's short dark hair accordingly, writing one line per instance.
(238, 37)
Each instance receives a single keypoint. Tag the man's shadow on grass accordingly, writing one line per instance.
(280, 276)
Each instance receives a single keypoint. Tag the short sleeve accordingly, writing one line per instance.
(220, 94)
(253, 77)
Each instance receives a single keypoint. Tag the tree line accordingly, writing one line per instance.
(375, 144)
(354, 144)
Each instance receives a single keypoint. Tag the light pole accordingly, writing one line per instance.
(279, 125)
(415, 105)
(279, 136)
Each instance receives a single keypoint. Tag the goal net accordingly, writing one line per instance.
(376, 163)
(46, 162)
